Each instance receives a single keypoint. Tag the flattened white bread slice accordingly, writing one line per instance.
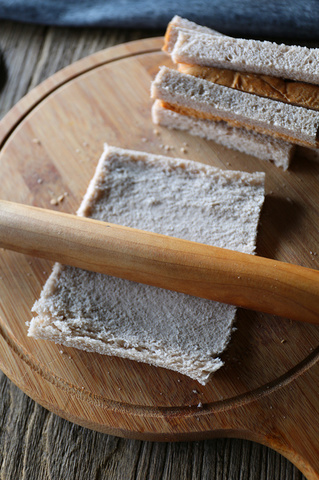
(112, 316)
(211, 101)
(269, 58)
(178, 23)
(261, 146)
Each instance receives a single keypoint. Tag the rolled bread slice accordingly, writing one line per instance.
(255, 56)
(111, 316)
(260, 146)
(176, 25)
(202, 98)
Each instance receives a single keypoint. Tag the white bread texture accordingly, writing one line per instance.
(255, 56)
(178, 24)
(252, 143)
(289, 122)
(111, 316)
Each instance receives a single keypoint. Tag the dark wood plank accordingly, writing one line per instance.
(37, 444)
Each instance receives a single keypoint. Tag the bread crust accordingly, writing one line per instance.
(288, 91)
(201, 98)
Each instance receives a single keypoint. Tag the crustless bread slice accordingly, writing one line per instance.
(111, 316)
(260, 146)
(268, 58)
(195, 96)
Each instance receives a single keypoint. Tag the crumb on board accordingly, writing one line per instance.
(36, 140)
(59, 199)
(167, 148)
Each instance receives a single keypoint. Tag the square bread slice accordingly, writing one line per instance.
(111, 316)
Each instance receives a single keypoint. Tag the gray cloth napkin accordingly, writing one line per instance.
(297, 19)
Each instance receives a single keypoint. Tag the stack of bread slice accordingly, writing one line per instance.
(257, 97)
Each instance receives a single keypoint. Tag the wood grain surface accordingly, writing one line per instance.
(284, 354)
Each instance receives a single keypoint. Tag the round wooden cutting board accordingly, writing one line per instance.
(268, 389)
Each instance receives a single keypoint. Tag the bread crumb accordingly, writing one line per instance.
(36, 140)
(77, 150)
(200, 405)
(85, 144)
(144, 140)
(283, 341)
(59, 199)
(156, 132)
(39, 180)
(183, 150)
(195, 391)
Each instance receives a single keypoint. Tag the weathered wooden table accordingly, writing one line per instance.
(36, 444)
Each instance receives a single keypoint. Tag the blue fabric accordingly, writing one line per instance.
(297, 19)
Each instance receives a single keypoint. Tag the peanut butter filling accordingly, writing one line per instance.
(296, 93)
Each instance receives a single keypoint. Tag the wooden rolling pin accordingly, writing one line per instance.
(218, 274)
